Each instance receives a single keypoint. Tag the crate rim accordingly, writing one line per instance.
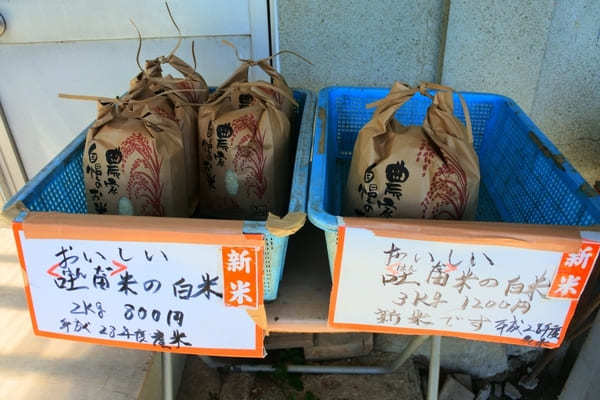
(329, 222)
(388, 88)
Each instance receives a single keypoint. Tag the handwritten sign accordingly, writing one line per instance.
(483, 292)
(153, 295)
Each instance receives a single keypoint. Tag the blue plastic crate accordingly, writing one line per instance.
(524, 178)
(59, 187)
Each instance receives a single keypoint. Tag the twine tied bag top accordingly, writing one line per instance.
(185, 94)
(278, 89)
(428, 171)
(141, 149)
(245, 146)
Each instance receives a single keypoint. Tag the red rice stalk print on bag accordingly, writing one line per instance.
(160, 111)
(144, 175)
(447, 196)
(274, 94)
(249, 157)
(192, 94)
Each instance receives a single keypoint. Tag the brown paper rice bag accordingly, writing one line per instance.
(185, 94)
(428, 171)
(133, 158)
(280, 91)
(245, 153)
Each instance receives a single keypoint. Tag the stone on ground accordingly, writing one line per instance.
(453, 390)
(464, 380)
(498, 390)
(484, 393)
(527, 354)
(478, 359)
(527, 383)
(511, 391)
(330, 346)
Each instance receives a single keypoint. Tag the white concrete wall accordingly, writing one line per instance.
(360, 43)
(545, 54)
(567, 99)
(497, 46)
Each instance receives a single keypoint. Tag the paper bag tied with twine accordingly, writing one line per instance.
(134, 159)
(245, 146)
(428, 171)
(185, 95)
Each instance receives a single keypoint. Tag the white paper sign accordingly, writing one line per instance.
(493, 293)
(147, 295)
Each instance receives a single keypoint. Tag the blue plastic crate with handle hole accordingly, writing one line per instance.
(524, 178)
(60, 187)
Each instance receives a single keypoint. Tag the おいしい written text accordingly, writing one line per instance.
(505, 294)
(155, 296)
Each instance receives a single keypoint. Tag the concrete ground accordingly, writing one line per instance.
(39, 368)
(199, 382)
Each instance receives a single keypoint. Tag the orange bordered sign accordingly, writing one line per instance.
(520, 288)
(156, 284)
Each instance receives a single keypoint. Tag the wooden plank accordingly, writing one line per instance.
(35, 21)
(288, 340)
(303, 300)
(329, 346)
